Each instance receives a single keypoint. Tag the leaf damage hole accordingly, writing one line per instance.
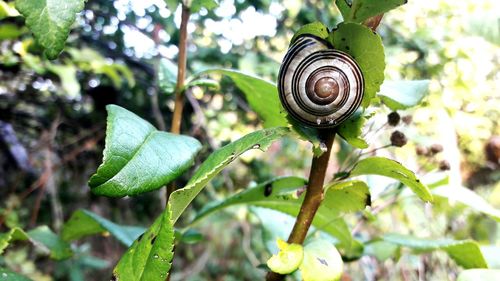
(268, 189)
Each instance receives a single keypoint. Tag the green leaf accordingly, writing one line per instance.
(479, 274)
(150, 257)
(138, 158)
(315, 28)
(465, 252)
(42, 237)
(10, 31)
(191, 236)
(9, 275)
(15, 234)
(386, 167)
(307, 133)
(7, 10)
(353, 39)
(467, 197)
(282, 194)
(89, 60)
(172, 4)
(202, 82)
(322, 262)
(196, 5)
(288, 259)
(167, 76)
(50, 21)
(274, 225)
(272, 192)
(351, 129)
(218, 160)
(403, 94)
(83, 223)
(67, 75)
(382, 250)
(346, 197)
(360, 10)
(260, 94)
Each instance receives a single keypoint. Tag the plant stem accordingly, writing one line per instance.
(181, 72)
(179, 87)
(313, 198)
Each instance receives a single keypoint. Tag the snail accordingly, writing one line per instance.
(318, 85)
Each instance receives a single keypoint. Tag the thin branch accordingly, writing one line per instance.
(313, 198)
(181, 73)
(179, 87)
(49, 184)
(201, 121)
(155, 105)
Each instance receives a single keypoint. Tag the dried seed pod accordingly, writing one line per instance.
(393, 118)
(436, 148)
(444, 165)
(407, 119)
(421, 150)
(398, 139)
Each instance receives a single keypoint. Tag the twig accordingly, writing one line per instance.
(246, 244)
(49, 184)
(181, 73)
(313, 198)
(194, 268)
(179, 87)
(376, 210)
(201, 120)
(154, 95)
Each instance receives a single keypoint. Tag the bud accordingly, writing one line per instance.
(436, 148)
(407, 119)
(398, 139)
(444, 165)
(421, 150)
(393, 118)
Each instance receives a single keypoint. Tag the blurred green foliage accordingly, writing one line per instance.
(113, 56)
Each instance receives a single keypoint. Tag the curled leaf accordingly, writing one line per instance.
(288, 259)
(322, 262)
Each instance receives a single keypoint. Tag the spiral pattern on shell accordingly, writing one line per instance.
(319, 86)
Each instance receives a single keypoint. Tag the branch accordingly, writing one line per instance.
(179, 87)
(181, 72)
(313, 198)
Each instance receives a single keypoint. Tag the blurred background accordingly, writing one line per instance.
(52, 129)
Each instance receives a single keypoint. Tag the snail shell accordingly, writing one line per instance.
(319, 86)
